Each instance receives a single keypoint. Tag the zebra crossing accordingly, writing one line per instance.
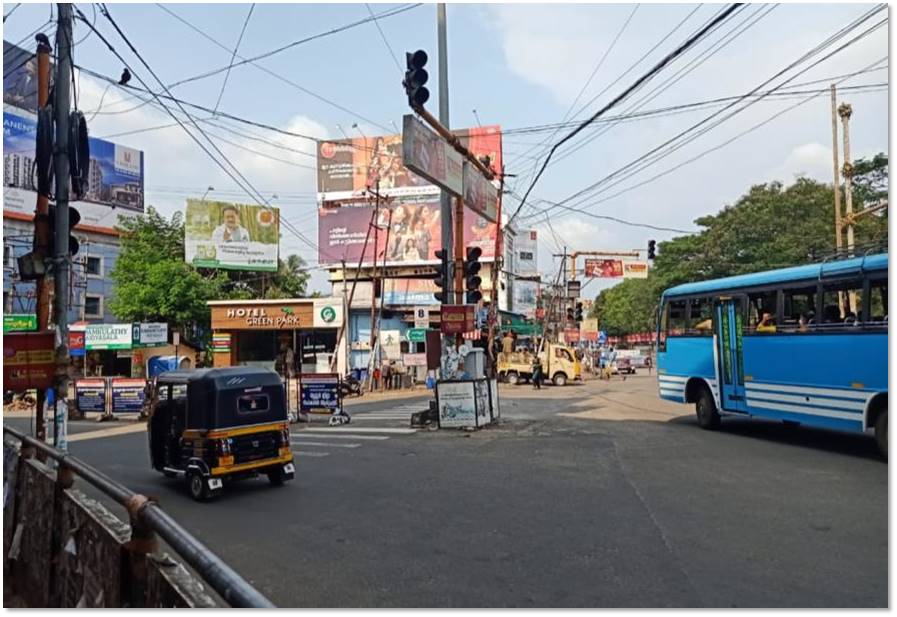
(366, 428)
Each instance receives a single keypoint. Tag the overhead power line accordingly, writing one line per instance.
(234, 55)
(622, 96)
(383, 36)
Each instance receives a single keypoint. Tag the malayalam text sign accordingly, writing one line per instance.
(457, 318)
(635, 269)
(231, 236)
(17, 322)
(319, 392)
(108, 336)
(28, 360)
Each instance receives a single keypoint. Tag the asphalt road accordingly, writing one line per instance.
(595, 495)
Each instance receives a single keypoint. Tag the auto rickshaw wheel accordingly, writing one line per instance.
(199, 490)
(276, 477)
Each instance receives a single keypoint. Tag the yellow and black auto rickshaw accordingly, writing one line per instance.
(215, 425)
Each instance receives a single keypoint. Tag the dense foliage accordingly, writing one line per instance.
(771, 226)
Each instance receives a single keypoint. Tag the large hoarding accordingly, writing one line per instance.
(115, 177)
(411, 239)
(526, 247)
(230, 236)
(20, 77)
(348, 168)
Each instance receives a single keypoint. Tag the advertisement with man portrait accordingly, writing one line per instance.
(350, 168)
(230, 236)
(408, 232)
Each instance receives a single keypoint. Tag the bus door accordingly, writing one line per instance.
(730, 359)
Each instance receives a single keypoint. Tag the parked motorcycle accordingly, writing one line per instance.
(350, 386)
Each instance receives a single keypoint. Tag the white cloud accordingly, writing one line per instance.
(812, 160)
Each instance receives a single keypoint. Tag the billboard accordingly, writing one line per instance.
(525, 246)
(20, 77)
(616, 268)
(427, 154)
(115, 177)
(526, 294)
(230, 236)
(413, 234)
(404, 292)
(348, 167)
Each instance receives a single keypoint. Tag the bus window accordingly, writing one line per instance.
(700, 321)
(676, 317)
(841, 304)
(799, 311)
(761, 311)
(878, 302)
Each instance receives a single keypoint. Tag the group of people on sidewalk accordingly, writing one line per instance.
(390, 375)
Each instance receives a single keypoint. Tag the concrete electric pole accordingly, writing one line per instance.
(845, 110)
(836, 172)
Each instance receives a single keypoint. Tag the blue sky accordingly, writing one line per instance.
(517, 65)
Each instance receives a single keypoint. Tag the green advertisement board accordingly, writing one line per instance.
(19, 323)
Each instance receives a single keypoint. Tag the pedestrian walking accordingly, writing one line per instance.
(537, 372)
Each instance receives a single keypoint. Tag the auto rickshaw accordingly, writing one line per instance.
(216, 425)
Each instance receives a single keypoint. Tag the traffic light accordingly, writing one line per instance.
(442, 276)
(652, 248)
(415, 78)
(74, 219)
(570, 315)
(578, 314)
(472, 281)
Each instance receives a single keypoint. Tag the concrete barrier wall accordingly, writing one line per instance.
(63, 549)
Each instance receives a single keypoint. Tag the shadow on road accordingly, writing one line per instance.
(852, 444)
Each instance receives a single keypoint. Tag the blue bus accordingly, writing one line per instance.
(804, 345)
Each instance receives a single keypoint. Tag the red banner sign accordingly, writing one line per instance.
(604, 268)
(457, 318)
(28, 360)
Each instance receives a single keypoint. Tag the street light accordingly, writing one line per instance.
(208, 190)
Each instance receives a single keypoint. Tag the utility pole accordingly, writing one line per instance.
(42, 236)
(845, 110)
(836, 172)
(373, 362)
(63, 257)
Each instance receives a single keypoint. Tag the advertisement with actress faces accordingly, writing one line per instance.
(408, 233)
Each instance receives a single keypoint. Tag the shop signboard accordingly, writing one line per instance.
(427, 154)
(108, 336)
(28, 360)
(76, 341)
(231, 236)
(127, 395)
(319, 392)
(457, 318)
(17, 322)
(417, 335)
(456, 402)
(413, 238)
(589, 325)
(571, 335)
(480, 194)
(421, 317)
(328, 312)
(221, 342)
(149, 334)
(90, 395)
(414, 359)
(284, 315)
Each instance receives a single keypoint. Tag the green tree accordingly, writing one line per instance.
(771, 226)
(290, 281)
(152, 280)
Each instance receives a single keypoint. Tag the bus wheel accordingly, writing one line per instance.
(881, 433)
(705, 407)
(513, 378)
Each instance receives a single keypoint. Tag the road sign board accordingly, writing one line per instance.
(417, 335)
(421, 317)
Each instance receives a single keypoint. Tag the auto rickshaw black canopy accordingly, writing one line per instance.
(228, 397)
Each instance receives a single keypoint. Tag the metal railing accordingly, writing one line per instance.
(148, 519)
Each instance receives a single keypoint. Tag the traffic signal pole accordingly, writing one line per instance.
(445, 199)
(42, 235)
(62, 258)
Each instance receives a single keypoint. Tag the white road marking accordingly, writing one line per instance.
(107, 432)
(322, 444)
(312, 454)
(393, 431)
(331, 436)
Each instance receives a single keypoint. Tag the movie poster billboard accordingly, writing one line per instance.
(349, 168)
(604, 268)
(230, 236)
(410, 237)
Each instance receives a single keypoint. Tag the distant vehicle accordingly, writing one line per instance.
(559, 365)
(805, 345)
(624, 366)
(216, 425)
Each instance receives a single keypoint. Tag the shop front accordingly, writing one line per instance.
(288, 336)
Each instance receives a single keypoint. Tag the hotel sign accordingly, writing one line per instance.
(279, 316)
